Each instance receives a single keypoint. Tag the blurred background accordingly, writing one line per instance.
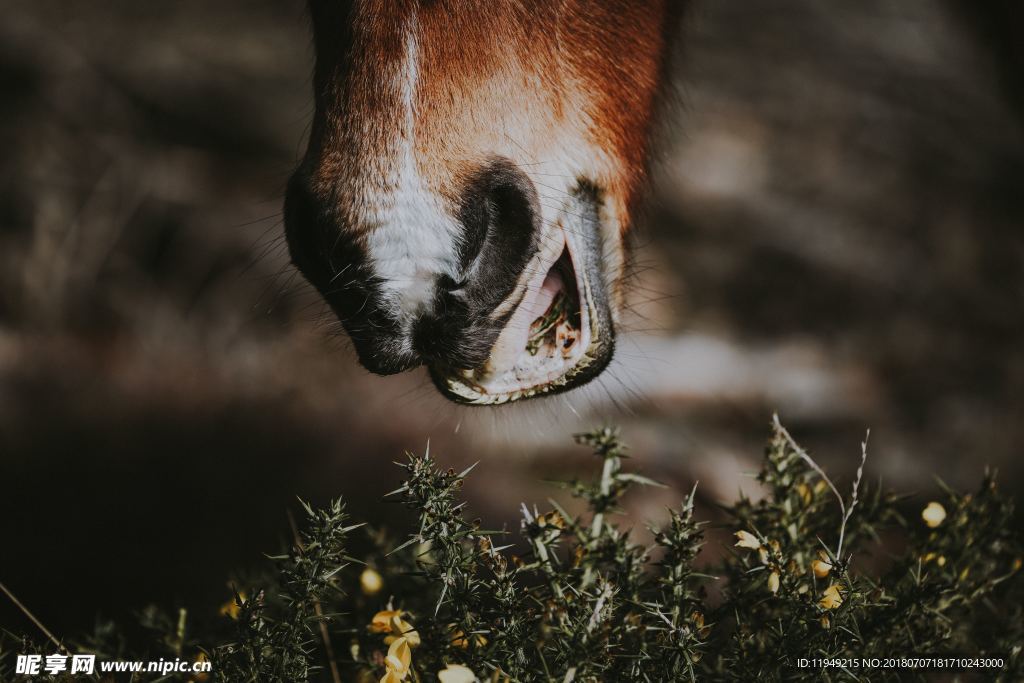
(835, 234)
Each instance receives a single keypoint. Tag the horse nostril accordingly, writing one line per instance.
(501, 219)
(501, 224)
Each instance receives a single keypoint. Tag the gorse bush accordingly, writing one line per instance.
(805, 578)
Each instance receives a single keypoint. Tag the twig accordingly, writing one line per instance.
(856, 488)
(803, 454)
(32, 617)
(324, 633)
(606, 488)
(606, 594)
(810, 461)
(179, 639)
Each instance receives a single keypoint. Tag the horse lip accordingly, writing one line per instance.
(579, 229)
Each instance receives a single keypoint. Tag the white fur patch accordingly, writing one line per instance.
(414, 239)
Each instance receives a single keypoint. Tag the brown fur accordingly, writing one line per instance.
(513, 78)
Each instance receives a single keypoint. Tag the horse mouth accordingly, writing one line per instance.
(557, 332)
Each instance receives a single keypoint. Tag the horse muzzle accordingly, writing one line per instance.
(523, 311)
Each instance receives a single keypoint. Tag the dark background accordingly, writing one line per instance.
(835, 233)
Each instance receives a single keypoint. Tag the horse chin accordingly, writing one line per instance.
(557, 331)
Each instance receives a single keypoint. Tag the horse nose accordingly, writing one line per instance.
(336, 264)
(501, 218)
(501, 225)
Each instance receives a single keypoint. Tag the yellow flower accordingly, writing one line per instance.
(382, 620)
(773, 582)
(745, 539)
(941, 561)
(456, 673)
(832, 598)
(821, 566)
(1016, 565)
(551, 519)
(201, 677)
(933, 514)
(370, 581)
(390, 621)
(698, 623)
(398, 661)
(805, 492)
(459, 638)
(402, 629)
(231, 608)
